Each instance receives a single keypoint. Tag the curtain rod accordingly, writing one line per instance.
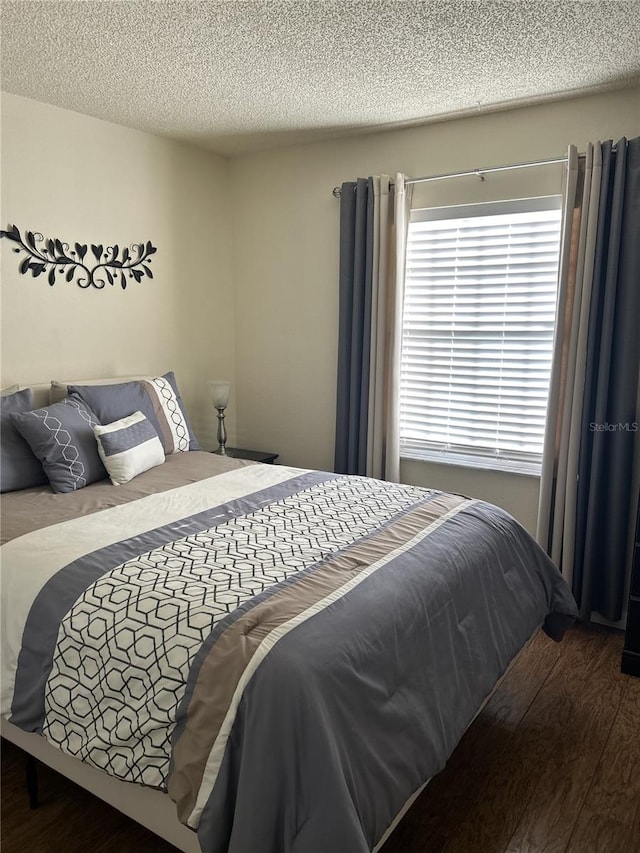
(337, 191)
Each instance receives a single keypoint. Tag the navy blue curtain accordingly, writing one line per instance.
(606, 497)
(354, 341)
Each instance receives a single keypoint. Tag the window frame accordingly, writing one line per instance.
(463, 459)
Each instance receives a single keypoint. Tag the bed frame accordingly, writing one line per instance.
(147, 806)
(151, 808)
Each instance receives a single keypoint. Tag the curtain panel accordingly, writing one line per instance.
(374, 217)
(587, 492)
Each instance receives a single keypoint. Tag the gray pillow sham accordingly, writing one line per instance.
(62, 438)
(158, 399)
(19, 468)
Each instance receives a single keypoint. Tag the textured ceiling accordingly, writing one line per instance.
(239, 76)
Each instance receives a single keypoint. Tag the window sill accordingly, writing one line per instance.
(508, 466)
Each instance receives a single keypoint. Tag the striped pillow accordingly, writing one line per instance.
(128, 447)
(175, 431)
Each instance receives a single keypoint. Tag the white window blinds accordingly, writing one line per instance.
(479, 316)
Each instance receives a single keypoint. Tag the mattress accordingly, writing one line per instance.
(289, 653)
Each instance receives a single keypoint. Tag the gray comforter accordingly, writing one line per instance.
(290, 654)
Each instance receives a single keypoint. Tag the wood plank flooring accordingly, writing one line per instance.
(551, 765)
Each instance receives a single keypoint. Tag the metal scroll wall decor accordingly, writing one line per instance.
(112, 265)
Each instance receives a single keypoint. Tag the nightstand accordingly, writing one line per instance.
(253, 455)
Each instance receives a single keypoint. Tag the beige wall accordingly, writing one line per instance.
(275, 337)
(81, 179)
(285, 224)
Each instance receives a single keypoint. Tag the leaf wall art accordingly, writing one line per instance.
(112, 265)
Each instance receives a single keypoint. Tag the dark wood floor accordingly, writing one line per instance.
(551, 765)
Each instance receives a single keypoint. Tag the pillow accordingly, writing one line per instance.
(19, 468)
(62, 438)
(128, 447)
(58, 390)
(158, 399)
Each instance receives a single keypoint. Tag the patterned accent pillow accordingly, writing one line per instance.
(61, 436)
(158, 399)
(128, 447)
(19, 468)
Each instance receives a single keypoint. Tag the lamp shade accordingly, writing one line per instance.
(219, 389)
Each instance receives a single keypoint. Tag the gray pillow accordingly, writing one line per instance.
(62, 438)
(19, 468)
(158, 399)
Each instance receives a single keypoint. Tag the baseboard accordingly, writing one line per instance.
(630, 662)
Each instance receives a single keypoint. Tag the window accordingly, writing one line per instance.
(479, 316)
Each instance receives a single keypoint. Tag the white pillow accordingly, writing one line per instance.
(128, 447)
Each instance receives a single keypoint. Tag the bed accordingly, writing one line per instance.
(286, 655)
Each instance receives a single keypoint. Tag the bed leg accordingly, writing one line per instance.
(31, 769)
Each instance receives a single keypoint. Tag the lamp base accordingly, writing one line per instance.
(222, 432)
